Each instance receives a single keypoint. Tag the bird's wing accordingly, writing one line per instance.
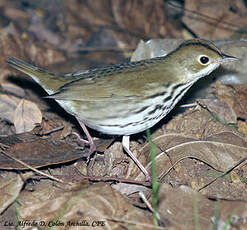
(125, 85)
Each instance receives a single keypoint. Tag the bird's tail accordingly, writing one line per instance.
(49, 81)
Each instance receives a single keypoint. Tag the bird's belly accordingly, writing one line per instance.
(115, 118)
(118, 117)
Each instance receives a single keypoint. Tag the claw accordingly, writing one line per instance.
(92, 149)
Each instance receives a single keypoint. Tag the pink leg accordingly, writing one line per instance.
(125, 143)
(92, 148)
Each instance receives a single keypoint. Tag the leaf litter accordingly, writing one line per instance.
(202, 142)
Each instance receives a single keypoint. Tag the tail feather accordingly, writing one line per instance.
(49, 81)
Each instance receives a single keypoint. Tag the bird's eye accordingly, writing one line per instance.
(204, 60)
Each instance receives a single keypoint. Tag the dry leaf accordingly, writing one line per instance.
(211, 24)
(22, 113)
(21, 46)
(13, 89)
(220, 109)
(200, 162)
(118, 16)
(26, 115)
(179, 207)
(8, 106)
(9, 190)
(97, 204)
(43, 151)
(234, 95)
(194, 122)
(216, 153)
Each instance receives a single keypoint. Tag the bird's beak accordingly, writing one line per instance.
(227, 58)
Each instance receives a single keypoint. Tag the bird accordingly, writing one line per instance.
(128, 98)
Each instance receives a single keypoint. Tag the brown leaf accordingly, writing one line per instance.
(26, 115)
(9, 191)
(211, 25)
(194, 122)
(13, 89)
(228, 138)
(39, 151)
(199, 161)
(216, 153)
(222, 110)
(179, 207)
(8, 106)
(235, 96)
(27, 48)
(117, 16)
(35, 151)
(98, 203)
(241, 100)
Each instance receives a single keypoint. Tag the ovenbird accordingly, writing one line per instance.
(128, 98)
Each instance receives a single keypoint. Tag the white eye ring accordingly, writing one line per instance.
(203, 59)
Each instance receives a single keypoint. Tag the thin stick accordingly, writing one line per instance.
(30, 167)
(222, 175)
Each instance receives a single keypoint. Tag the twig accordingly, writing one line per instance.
(222, 175)
(30, 167)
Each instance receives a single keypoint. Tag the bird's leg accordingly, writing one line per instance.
(91, 143)
(79, 138)
(126, 143)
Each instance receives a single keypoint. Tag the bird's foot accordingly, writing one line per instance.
(91, 151)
